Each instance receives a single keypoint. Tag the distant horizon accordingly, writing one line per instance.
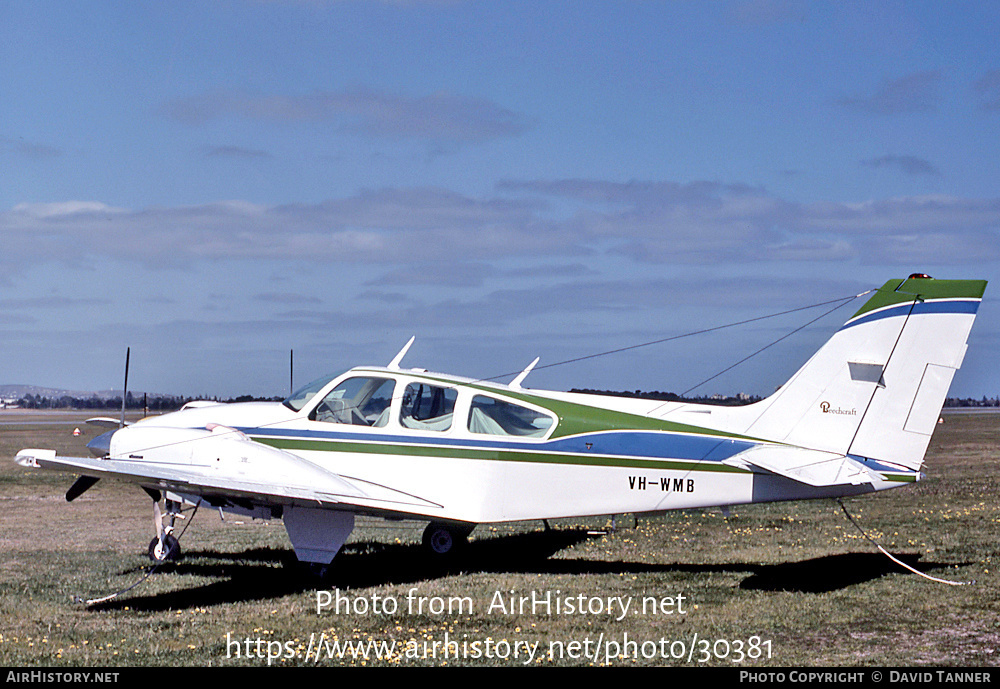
(158, 398)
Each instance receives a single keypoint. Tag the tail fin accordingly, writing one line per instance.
(876, 388)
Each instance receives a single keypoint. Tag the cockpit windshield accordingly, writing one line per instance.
(301, 397)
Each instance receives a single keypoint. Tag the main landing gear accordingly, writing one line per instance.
(446, 540)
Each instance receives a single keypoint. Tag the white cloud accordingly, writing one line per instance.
(767, 12)
(28, 149)
(64, 208)
(439, 117)
(235, 152)
(911, 165)
(917, 92)
(989, 87)
(432, 231)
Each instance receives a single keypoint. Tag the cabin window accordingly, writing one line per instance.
(360, 401)
(428, 407)
(496, 417)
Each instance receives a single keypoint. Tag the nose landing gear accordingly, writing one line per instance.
(165, 547)
(166, 550)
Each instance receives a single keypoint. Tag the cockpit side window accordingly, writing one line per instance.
(428, 407)
(300, 398)
(359, 401)
(497, 417)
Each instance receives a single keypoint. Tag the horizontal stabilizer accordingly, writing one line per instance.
(812, 467)
(105, 422)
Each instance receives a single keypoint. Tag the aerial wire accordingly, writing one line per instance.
(771, 344)
(841, 301)
(897, 560)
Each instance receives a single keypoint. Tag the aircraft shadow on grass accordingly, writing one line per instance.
(264, 573)
(832, 572)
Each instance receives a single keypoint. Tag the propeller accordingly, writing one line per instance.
(79, 487)
(128, 351)
(101, 445)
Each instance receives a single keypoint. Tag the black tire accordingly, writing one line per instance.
(168, 552)
(315, 572)
(444, 540)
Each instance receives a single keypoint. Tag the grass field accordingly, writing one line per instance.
(789, 584)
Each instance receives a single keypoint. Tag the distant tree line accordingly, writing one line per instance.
(152, 403)
(970, 402)
(733, 401)
(742, 398)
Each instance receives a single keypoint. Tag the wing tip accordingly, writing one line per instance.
(30, 457)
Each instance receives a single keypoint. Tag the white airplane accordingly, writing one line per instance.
(405, 443)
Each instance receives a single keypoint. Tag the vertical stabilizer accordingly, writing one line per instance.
(938, 317)
(877, 387)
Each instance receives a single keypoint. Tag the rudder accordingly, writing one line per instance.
(938, 316)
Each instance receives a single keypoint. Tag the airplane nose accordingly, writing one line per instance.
(101, 445)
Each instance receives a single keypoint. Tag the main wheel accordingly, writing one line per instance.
(168, 550)
(444, 539)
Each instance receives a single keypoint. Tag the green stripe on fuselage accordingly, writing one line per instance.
(502, 455)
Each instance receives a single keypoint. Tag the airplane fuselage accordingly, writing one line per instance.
(590, 459)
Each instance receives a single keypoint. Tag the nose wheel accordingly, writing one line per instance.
(165, 547)
(166, 550)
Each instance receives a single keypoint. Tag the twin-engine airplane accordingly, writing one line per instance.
(404, 443)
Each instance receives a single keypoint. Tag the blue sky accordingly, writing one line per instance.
(216, 183)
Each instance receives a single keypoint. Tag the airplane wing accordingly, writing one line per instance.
(812, 467)
(242, 471)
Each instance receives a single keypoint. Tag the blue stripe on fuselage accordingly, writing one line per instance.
(651, 444)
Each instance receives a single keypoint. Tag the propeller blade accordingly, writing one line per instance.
(128, 351)
(79, 487)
